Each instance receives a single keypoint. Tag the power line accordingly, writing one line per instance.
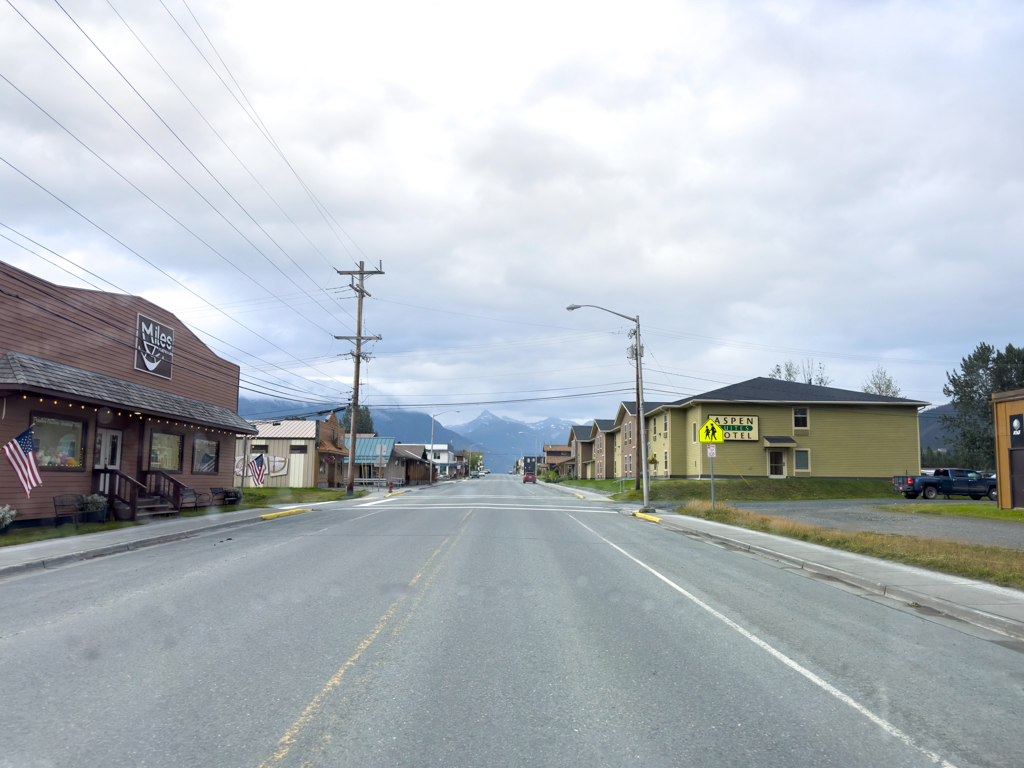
(261, 126)
(166, 162)
(150, 263)
(201, 163)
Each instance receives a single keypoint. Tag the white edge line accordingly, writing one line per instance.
(371, 503)
(886, 726)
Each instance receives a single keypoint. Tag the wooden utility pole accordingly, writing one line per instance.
(357, 357)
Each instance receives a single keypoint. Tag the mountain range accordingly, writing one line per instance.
(502, 440)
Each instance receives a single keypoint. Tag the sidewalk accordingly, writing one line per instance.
(51, 553)
(976, 602)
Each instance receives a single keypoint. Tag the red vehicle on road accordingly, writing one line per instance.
(529, 477)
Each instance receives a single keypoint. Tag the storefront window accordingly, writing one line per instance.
(165, 451)
(59, 443)
(205, 456)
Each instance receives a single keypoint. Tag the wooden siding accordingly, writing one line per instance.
(136, 434)
(1002, 409)
(95, 331)
(845, 441)
(300, 469)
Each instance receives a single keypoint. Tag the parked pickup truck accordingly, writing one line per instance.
(948, 482)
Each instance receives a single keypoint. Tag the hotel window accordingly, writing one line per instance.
(666, 462)
(165, 451)
(205, 456)
(800, 418)
(695, 431)
(802, 460)
(59, 443)
(665, 425)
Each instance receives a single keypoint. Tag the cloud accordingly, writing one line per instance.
(798, 179)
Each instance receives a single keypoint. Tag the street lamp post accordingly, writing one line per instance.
(432, 417)
(641, 421)
(534, 451)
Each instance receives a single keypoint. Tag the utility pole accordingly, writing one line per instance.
(357, 357)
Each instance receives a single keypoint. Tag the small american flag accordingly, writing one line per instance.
(256, 469)
(21, 453)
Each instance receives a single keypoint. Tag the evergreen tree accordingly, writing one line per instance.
(984, 371)
(364, 422)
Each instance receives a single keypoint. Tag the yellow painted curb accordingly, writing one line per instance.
(579, 495)
(287, 512)
(394, 493)
(647, 517)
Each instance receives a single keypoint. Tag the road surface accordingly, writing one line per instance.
(485, 623)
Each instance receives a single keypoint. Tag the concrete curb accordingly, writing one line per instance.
(981, 618)
(113, 549)
(642, 516)
(285, 513)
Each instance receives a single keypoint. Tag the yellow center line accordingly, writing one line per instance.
(292, 734)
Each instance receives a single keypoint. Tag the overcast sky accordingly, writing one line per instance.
(760, 181)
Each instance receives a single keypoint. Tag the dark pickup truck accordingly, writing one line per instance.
(948, 482)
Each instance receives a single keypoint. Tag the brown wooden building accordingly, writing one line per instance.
(123, 399)
(1008, 408)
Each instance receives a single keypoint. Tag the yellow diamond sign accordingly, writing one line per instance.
(711, 433)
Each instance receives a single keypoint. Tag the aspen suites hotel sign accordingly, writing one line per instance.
(154, 347)
(737, 427)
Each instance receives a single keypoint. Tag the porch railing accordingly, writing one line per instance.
(159, 483)
(117, 486)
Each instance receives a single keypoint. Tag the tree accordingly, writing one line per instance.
(808, 372)
(787, 372)
(881, 383)
(984, 371)
(364, 422)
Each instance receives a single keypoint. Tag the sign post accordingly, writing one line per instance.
(711, 434)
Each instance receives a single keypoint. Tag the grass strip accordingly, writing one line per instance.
(981, 510)
(997, 565)
(759, 489)
(260, 498)
(41, 533)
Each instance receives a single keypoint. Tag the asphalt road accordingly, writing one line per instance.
(485, 623)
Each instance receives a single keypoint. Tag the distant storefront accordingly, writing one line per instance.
(121, 397)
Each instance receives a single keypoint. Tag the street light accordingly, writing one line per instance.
(639, 395)
(432, 417)
(534, 451)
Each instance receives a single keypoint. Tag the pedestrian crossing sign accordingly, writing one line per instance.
(711, 433)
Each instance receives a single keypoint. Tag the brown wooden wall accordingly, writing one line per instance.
(95, 331)
(134, 461)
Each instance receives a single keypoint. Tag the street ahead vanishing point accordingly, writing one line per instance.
(485, 623)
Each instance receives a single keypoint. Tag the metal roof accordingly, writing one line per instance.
(27, 372)
(287, 429)
(366, 448)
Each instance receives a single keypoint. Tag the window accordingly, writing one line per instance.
(296, 449)
(664, 427)
(800, 418)
(165, 451)
(205, 456)
(803, 461)
(59, 443)
(695, 431)
(666, 462)
(259, 449)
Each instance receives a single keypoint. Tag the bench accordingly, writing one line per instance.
(192, 500)
(225, 496)
(68, 505)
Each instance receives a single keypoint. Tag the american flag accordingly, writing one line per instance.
(21, 453)
(256, 469)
